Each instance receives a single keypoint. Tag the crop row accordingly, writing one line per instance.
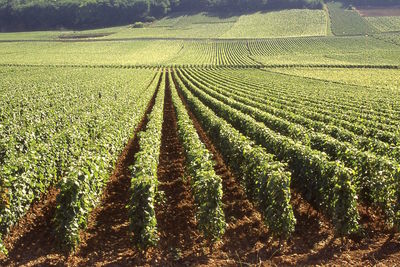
(363, 121)
(375, 177)
(327, 184)
(214, 53)
(144, 181)
(265, 180)
(80, 191)
(274, 105)
(64, 132)
(206, 184)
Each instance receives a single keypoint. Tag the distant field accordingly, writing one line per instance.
(387, 79)
(347, 22)
(304, 51)
(385, 24)
(280, 24)
(389, 38)
(94, 53)
(332, 50)
(302, 22)
(202, 25)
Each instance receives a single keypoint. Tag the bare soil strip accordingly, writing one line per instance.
(32, 241)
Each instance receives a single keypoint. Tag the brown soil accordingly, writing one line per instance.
(179, 239)
(376, 11)
(31, 241)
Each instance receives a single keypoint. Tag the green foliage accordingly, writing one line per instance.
(80, 193)
(384, 24)
(51, 128)
(285, 23)
(266, 181)
(315, 174)
(144, 181)
(206, 185)
(374, 162)
(138, 25)
(374, 175)
(81, 189)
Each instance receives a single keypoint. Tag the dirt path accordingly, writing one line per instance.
(31, 241)
(180, 242)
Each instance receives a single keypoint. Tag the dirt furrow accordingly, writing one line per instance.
(32, 241)
(180, 241)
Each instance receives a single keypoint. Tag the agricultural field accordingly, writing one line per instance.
(348, 22)
(292, 23)
(246, 139)
(385, 24)
(92, 53)
(328, 50)
(389, 38)
(202, 25)
(372, 78)
(356, 50)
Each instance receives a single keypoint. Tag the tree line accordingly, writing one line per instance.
(75, 14)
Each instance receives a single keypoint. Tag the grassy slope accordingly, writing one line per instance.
(348, 22)
(204, 25)
(284, 23)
